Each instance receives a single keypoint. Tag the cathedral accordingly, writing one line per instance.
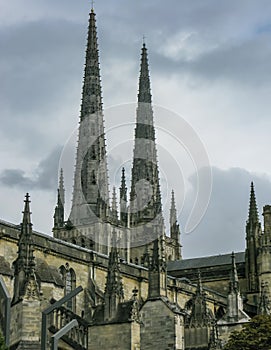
(111, 277)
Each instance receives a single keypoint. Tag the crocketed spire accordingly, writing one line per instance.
(91, 193)
(253, 216)
(24, 265)
(145, 194)
(59, 209)
(113, 294)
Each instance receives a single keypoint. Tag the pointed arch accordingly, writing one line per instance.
(69, 279)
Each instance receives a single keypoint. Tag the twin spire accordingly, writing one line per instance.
(91, 190)
(90, 200)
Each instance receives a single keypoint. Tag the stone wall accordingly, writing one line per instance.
(25, 323)
(161, 328)
(115, 336)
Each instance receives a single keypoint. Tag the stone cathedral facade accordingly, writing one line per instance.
(116, 273)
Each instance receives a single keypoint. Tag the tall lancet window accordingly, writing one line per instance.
(69, 279)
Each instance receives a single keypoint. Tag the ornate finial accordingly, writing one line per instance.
(144, 40)
(27, 212)
(92, 5)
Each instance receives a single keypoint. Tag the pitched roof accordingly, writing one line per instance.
(207, 261)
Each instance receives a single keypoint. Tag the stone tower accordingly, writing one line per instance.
(253, 232)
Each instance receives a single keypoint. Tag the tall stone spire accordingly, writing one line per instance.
(145, 194)
(123, 199)
(253, 232)
(24, 265)
(90, 193)
(114, 288)
(59, 209)
(174, 227)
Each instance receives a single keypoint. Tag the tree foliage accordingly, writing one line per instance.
(255, 335)
(2, 342)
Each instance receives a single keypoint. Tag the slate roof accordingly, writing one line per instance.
(207, 261)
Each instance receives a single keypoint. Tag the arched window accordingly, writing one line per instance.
(69, 280)
(93, 180)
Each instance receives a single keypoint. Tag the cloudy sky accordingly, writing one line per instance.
(210, 64)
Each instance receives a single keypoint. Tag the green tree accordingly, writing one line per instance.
(2, 342)
(255, 335)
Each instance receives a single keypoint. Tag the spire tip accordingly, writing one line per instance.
(144, 41)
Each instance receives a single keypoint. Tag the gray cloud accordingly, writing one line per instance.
(245, 63)
(44, 176)
(222, 229)
(239, 33)
(36, 84)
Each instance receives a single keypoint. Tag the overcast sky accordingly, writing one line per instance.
(210, 64)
